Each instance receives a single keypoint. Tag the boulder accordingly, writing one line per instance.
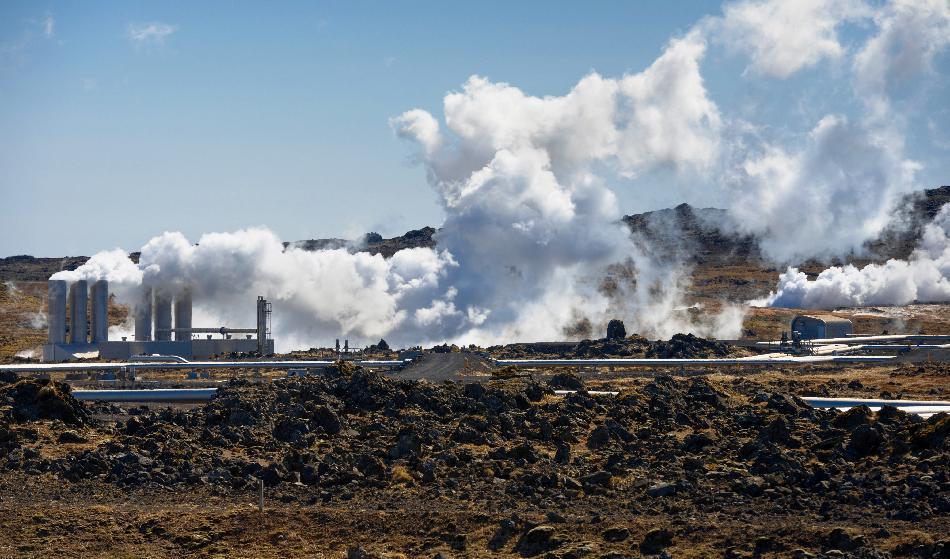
(616, 330)
(655, 541)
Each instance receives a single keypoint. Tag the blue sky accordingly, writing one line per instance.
(224, 115)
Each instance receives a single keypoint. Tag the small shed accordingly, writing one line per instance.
(818, 326)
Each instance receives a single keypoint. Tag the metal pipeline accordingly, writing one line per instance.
(758, 360)
(535, 363)
(820, 402)
(147, 395)
(906, 338)
(144, 365)
(158, 358)
(923, 408)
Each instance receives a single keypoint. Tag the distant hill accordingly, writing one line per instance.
(373, 243)
(900, 239)
(28, 268)
(705, 236)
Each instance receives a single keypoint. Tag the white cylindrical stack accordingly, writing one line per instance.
(143, 316)
(163, 316)
(78, 301)
(56, 312)
(183, 315)
(99, 295)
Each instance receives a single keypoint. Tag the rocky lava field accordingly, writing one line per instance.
(356, 464)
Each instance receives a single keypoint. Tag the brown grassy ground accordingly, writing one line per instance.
(22, 317)
(94, 521)
(921, 381)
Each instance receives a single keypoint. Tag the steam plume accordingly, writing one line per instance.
(530, 229)
(924, 277)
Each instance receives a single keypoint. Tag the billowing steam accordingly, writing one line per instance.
(827, 199)
(529, 235)
(842, 189)
(532, 248)
(925, 277)
(532, 227)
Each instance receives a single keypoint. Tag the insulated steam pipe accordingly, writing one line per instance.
(923, 408)
(821, 402)
(907, 338)
(159, 358)
(192, 365)
(811, 359)
(147, 395)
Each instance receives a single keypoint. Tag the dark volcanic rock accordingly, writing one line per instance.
(616, 534)
(616, 330)
(566, 381)
(538, 540)
(670, 446)
(655, 541)
(688, 346)
(865, 440)
(33, 399)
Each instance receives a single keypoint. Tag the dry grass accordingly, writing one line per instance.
(400, 475)
(22, 318)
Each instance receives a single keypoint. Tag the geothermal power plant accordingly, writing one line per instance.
(163, 325)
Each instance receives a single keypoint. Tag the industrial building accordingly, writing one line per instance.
(166, 314)
(819, 326)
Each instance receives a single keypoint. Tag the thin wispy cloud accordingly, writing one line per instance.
(49, 25)
(150, 34)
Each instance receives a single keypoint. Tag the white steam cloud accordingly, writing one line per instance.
(784, 37)
(532, 226)
(529, 234)
(925, 277)
(827, 199)
(843, 189)
(910, 34)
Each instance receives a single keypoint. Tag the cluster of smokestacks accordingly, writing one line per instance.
(163, 308)
(79, 295)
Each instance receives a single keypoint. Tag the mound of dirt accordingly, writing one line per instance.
(32, 399)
